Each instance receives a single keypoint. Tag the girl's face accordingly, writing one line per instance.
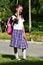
(20, 9)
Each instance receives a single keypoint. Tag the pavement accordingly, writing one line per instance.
(35, 49)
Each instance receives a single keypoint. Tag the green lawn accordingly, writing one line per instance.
(35, 35)
(10, 60)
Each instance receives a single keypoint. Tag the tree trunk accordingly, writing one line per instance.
(29, 15)
(17, 1)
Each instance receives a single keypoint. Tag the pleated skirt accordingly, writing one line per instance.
(17, 40)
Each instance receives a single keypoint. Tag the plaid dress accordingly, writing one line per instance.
(17, 40)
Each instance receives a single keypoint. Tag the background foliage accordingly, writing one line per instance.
(7, 9)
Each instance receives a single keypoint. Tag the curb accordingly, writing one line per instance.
(34, 42)
(30, 42)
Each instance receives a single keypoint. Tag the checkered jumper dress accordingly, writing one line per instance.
(17, 40)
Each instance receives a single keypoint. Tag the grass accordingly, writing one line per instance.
(4, 36)
(35, 35)
(10, 60)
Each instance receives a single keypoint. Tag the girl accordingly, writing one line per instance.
(18, 34)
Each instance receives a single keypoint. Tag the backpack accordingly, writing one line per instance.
(10, 24)
(9, 27)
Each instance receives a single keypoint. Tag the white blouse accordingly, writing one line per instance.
(20, 23)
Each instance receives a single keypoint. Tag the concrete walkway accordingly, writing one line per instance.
(35, 49)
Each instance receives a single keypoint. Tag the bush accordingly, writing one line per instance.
(38, 26)
(26, 24)
(3, 27)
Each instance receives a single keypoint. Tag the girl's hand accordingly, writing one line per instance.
(24, 35)
(18, 16)
(18, 10)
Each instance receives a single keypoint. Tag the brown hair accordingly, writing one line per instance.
(18, 5)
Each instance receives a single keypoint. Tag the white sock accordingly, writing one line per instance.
(16, 55)
(24, 53)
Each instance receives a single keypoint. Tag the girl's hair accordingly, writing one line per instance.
(18, 5)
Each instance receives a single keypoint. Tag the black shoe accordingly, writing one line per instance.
(24, 59)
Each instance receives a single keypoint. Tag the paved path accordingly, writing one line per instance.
(35, 50)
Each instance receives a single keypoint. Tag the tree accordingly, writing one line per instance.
(17, 1)
(5, 11)
(37, 14)
(29, 15)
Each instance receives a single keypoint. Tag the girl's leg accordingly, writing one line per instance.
(24, 53)
(16, 53)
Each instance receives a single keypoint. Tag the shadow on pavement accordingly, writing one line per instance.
(9, 56)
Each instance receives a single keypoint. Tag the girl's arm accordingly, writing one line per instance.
(23, 31)
(18, 16)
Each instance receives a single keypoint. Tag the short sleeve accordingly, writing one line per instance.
(13, 17)
(23, 20)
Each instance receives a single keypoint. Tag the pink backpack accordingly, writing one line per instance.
(9, 28)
